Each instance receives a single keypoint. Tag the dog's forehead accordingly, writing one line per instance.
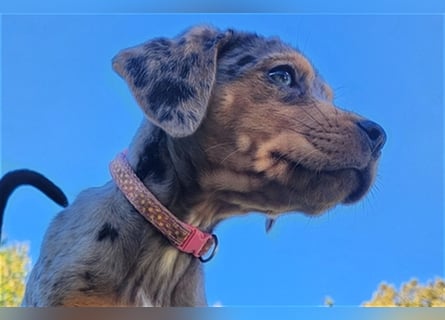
(244, 50)
(242, 43)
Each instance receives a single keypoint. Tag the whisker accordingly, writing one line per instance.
(291, 192)
(217, 145)
(299, 132)
(310, 116)
(297, 120)
(299, 161)
(230, 154)
(322, 113)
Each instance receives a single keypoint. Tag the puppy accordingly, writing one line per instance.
(234, 122)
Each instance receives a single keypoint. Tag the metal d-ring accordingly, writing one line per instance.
(212, 254)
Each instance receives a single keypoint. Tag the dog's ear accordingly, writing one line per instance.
(172, 79)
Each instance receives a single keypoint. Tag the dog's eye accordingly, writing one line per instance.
(282, 75)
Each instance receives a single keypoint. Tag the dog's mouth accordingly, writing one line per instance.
(365, 180)
(358, 180)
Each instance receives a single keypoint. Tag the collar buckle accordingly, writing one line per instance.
(214, 247)
(199, 243)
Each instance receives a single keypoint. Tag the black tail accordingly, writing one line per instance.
(16, 178)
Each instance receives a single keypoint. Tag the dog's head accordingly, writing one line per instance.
(261, 122)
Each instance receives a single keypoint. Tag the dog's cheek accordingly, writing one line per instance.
(244, 142)
(223, 179)
(292, 145)
(279, 171)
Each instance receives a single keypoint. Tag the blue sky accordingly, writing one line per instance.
(300, 6)
(66, 113)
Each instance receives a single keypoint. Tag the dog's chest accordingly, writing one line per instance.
(142, 299)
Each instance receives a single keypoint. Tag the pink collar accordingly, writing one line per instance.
(183, 236)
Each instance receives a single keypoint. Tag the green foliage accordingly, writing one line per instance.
(410, 294)
(14, 265)
(328, 301)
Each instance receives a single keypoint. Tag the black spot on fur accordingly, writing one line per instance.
(182, 41)
(231, 72)
(160, 46)
(209, 44)
(237, 42)
(169, 92)
(107, 231)
(57, 285)
(165, 114)
(62, 282)
(180, 117)
(245, 60)
(89, 281)
(211, 40)
(189, 62)
(193, 58)
(136, 69)
(151, 161)
(87, 276)
(192, 117)
(185, 70)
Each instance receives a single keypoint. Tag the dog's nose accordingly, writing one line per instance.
(375, 133)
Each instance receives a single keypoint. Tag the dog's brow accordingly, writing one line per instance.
(303, 66)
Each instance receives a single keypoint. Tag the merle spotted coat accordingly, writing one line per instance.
(234, 122)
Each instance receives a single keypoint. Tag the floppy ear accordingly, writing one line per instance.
(172, 79)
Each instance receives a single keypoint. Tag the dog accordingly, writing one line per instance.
(234, 122)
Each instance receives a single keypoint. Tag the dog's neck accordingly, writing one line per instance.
(171, 178)
(170, 168)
